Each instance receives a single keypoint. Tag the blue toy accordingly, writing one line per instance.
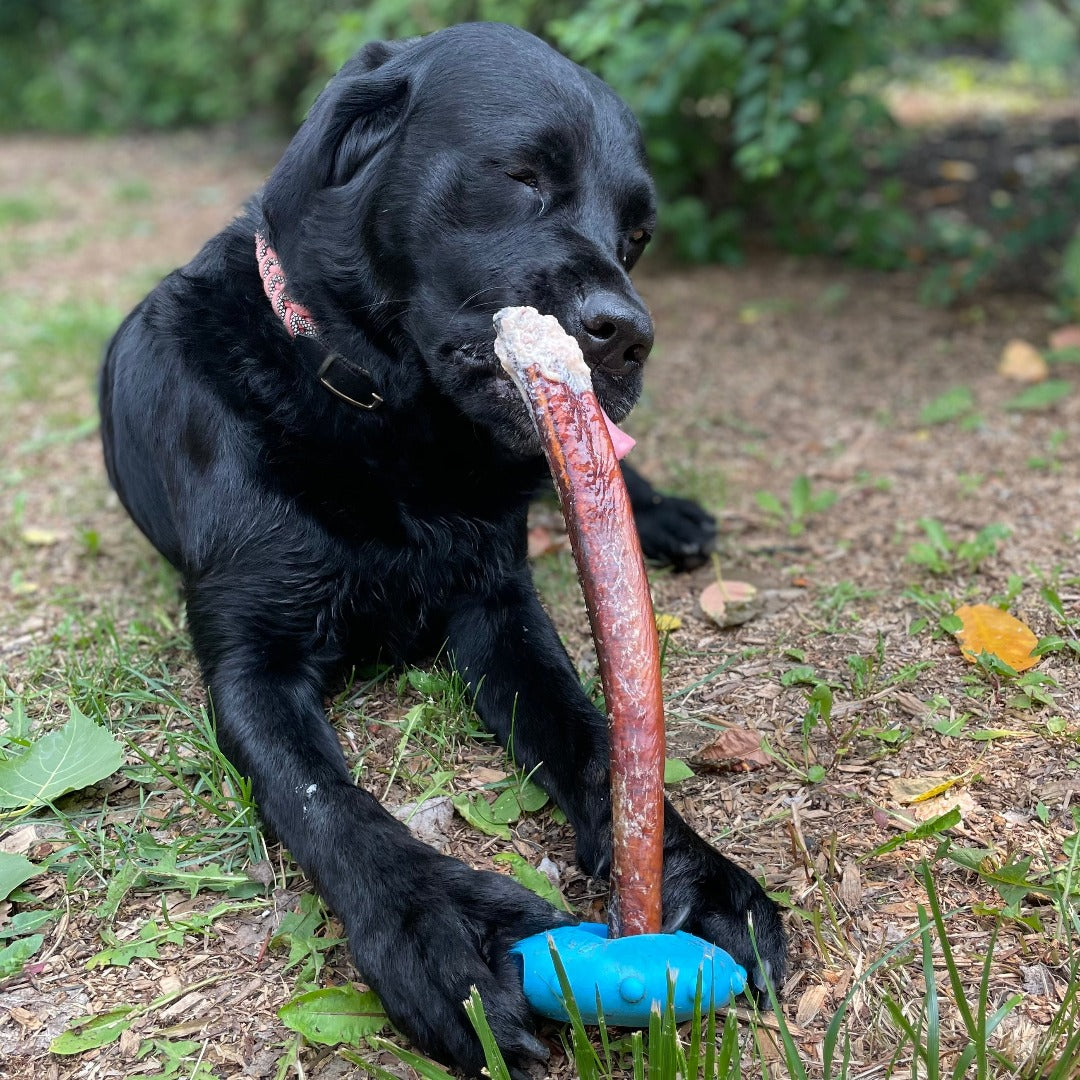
(628, 974)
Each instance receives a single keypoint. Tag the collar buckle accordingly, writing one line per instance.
(354, 370)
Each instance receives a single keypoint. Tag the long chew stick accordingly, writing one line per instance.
(547, 367)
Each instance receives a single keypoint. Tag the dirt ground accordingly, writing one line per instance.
(763, 373)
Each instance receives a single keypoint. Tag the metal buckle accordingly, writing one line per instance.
(333, 358)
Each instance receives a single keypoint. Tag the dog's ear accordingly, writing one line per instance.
(359, 109)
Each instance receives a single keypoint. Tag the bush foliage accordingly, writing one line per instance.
(753, 112)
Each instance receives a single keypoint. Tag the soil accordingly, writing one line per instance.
(778, 369)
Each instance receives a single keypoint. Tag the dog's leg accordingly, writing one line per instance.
(674, 531)
(423, 927)
(527, 692)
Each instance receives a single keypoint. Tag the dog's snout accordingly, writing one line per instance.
(616, 331)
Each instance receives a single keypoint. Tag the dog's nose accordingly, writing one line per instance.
(617, 333)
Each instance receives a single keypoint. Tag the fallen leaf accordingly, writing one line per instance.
(989, 629)
(733, 750)
(813, 997)
(958, 171)
(428, 820)
(39, 537)
(1066, 337)
(939, 805)
(730, 603)
(676, 771)
(1022, 362)
(851, 889)
(907, 790)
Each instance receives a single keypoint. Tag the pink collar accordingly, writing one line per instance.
(296, 317)
(352, 383)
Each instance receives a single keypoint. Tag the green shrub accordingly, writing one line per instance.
(80, 65)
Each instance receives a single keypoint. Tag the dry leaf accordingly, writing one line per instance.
(851, 889)
(813, 997)
(729, 603)
(1065, 337)
(989, 629)
(915, 789)
(1022, 362)
(942, 804)
(958, 171)
(733, 750)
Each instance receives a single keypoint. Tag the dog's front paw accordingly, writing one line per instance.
(443, 928)
(673, 531)
(708, 895)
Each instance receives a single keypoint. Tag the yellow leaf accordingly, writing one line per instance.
(1023, 362)
(666, 623)
(39, 537)
(917, 789)
(989, 629)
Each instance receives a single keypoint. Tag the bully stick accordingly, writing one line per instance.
(547, 366)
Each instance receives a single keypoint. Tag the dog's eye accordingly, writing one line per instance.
(526, 177)
(639, 236)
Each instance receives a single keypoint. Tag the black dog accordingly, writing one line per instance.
(341, 472)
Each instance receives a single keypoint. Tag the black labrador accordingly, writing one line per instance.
(308, 420)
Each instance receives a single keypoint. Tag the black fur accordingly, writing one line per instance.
(433, 182)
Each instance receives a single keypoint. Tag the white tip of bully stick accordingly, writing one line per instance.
(524, 338)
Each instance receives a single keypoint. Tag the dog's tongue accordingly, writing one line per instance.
(620, 441)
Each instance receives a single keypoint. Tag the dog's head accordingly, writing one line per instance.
(440, 179)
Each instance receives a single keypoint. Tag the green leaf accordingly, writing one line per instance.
(90, 1032)
(536, 881)
(26, 922)
(145, 946)
(1040, 396)
(14, 956)
(532, 797)
(950, 819)
(476, 810)
(676, 771)
(800, 496)
(951, 405)
(768, 502)
(801, 675)
(14, 870)
(335, 1014)
(303, 930)
(506, 808)
(79, 754)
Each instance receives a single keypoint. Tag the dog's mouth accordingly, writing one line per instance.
(479, 360)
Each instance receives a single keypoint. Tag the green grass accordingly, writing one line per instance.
(932, 991)
(23, 210)
(54, 343)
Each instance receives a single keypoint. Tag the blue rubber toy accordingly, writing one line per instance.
(628, 974)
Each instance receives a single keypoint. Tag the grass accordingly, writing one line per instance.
(715, 1048)
(160, 879)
